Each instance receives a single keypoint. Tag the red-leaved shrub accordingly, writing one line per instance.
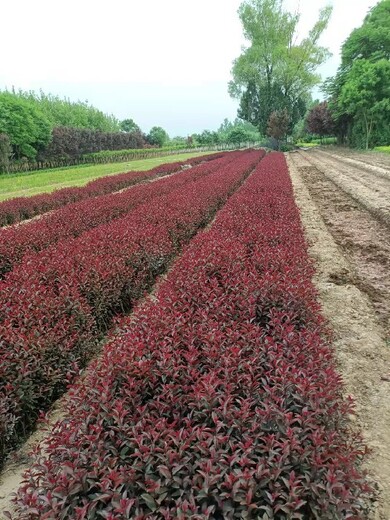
(218, 397)
(76, 218)
(22, 208)
(56, 304)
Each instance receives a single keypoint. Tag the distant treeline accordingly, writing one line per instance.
(38, 129)
(41, 127)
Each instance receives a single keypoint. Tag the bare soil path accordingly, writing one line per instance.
(351, 247)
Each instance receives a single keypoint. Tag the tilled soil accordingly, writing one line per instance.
(351, 246)
(364, 185)
(380, 168)
(363, 237)
(380, 159)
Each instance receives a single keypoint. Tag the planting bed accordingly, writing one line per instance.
(56, 304)
(76, 218)
(22, 208)
(217, 398)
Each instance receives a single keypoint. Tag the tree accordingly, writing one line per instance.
(275, 71)
(129, 125)
(158, 136)
(366, 94)
(238, 135)
(319, 120)
(238, 127)
(5, 152)
(278, 125)
(359, 94)
(27, 128)
(67, 113)
(371, 41)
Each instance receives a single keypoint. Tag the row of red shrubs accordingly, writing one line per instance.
(218, 398)
(56, 304)
(76, 218)
(22, 208)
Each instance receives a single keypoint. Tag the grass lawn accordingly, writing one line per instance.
(44, 181)
(385, 149)
(307, 145)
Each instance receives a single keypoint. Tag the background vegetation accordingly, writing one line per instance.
(274, 76)
(359, 94)
(42, 130)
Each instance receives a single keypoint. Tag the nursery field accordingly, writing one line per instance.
(185, 323)
(45, 181)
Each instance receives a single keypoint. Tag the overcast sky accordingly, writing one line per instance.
(159, 62)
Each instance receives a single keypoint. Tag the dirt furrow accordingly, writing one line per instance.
(364, 240)
(368, 179)
(359, 341)
(380, 159)
(363, 166)
(377, 202)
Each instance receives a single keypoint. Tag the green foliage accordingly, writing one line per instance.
(249, 131)
(28, 119)
(157, 136)
(238, 135)
(63, 112)
(371, 41)
(304, 144)
(180, 141)
(5, 152)
(385, 149)
(275, 72)
(237, 131)
(366, 95)
(26, 126)
(360, 92)
(129, 125)
(207, 138)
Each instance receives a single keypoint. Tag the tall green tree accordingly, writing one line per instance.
(277, 70)
(5, 152)
(366, 95)
(129, 125)
(28, 129)
(359, 94)
(158, 136)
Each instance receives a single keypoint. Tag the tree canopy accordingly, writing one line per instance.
(359, 94)
(157, 136)
(73, 114)
(129, 125)
(25, 125)
(277, 70)
(319, 120)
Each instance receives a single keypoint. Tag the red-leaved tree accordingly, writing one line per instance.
(319, 120)
(278, 124)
